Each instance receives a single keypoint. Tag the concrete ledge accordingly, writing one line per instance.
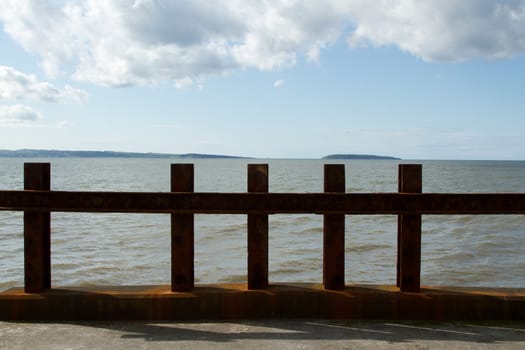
(234, 301)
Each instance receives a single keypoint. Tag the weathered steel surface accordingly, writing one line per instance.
(334, 232)
(37, 231)
(182, 233)
(410, 178)
(257, 231)
(409, 232)
(265, 203)
(237, 302)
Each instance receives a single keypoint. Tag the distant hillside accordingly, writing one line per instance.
(38, 153)
(359, 156)
(34, 153)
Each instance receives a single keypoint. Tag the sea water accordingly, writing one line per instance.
(134, 249)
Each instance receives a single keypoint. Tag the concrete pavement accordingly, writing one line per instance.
(262, 334)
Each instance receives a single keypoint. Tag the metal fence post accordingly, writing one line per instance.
(334, 232)
(182, 233)
(257, 231)
(409, 232)
(37, 232)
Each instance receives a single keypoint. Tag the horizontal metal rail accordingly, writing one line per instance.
(265, 203)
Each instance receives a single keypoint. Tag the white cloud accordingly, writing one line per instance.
(15, 85)
(445, 30)
(18, 115)
(64, 124)
(122, 43)
(278, 83)
(71, 93)
(183, 83)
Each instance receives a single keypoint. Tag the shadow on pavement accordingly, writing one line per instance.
(304, 330)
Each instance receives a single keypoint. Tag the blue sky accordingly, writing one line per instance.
(285, 79)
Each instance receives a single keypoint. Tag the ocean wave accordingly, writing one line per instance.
(367, 248)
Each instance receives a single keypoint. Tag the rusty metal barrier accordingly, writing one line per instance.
(37, 201)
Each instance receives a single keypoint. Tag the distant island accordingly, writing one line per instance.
(35, 153)
(360, 156)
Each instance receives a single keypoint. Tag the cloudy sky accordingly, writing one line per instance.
(418, 79)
